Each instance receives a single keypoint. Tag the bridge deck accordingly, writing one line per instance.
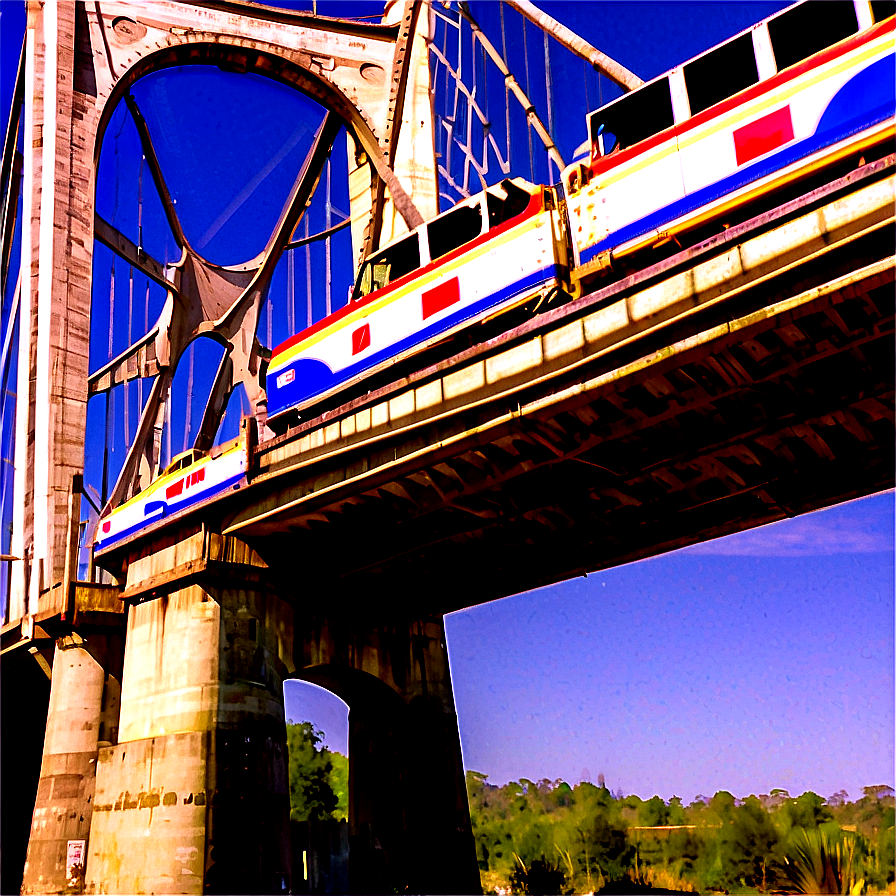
(747, 379)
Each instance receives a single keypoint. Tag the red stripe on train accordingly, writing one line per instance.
(442, 296)
(763, 135)
(361, 339)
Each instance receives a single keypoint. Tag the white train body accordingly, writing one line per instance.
(189, 481)
(662, 162)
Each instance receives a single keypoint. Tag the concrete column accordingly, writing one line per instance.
(409, 820)
(194, 797)
(62, 811)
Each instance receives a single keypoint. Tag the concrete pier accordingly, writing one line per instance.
(82, 713)
(194, 796)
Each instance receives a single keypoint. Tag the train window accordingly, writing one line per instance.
(454, 229)
(182, 461)
(804, 30)
(721, 73)
(500, 209)
(632, 118)
(387, 266)
(882, 9)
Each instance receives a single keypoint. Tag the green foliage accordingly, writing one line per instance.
(599, 841)
(318, 778)
(807, 811)
(823, 861)
(749, 846)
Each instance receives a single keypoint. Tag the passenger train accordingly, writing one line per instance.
(190, 480)
(799, 92)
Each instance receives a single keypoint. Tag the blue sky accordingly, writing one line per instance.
(760, 660)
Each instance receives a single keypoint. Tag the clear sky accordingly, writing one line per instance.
(761, 660)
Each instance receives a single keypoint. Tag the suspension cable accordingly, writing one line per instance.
(518, 92)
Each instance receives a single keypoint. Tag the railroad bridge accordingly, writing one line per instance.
(739, 380)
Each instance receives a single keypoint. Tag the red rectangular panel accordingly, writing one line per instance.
(360, 339)
(763, 135)
(174, 490)
(441, 296)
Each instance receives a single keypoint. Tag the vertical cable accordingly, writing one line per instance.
(506, 86)
(127, 382)
(269, 310)
(309, 314)
(167, 430)
(290, 293)
(585, 80)
(188, 422)
(111, 346)
(145, 331)
(550, 98)
(140, 250)
(528, 93)
(328, 215)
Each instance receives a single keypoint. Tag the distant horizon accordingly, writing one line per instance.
(613, 792)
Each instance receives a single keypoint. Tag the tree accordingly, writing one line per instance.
(611, 851)
(840, 798)
(748, 846)
(653, 812)
(807, 811)
(318, 779)
(878, 791)
(722, 806)
(676, 812)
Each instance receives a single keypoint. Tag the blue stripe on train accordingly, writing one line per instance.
(153, 508)
(312, 377)
(865, 100)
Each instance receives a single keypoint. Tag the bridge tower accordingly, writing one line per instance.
(164, 765)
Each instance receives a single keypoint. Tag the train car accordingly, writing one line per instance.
(487, 254)
(800, 91)
(191, 479)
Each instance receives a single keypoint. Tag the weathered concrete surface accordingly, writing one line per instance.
(195, 792)
(408, 811)
(80, 693)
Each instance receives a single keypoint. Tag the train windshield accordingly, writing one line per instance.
(387, 266)
(182, 461)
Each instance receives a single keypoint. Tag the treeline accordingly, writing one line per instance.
(548, 837)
